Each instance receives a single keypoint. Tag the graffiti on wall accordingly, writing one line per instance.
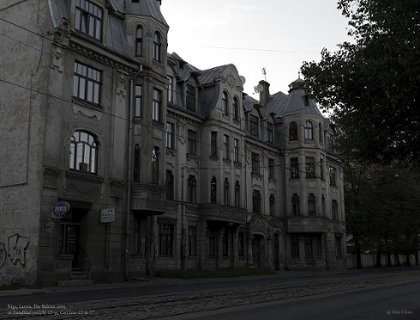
(16, 249)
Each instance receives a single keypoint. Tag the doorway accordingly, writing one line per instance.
(258, 250)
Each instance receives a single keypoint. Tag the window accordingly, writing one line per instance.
(171, 89)
(333, 181)
(310, 167)
(170, 135)
(157, 44)
(139, 236)
(309, 130)
(237, 195)
(255, 159)
(236, 150)
(294, 168)
(192, 189)
(323, 205)
(270, 132)
(136, 166)
(311, 204)
(226, 192)
(321, 168)
(272, 202)
(139, 42)
(308, 247)
(213, 151)
(212, 243)
(88, 19)
(241, 244)
(156, 104)
(312, 246)
(192, 142)
(320, 133)
(227, 239)
(225, 103)
(83, 152)
(293, 132)
(166, 239)
(226, 147)
(334, 209)
(213, 190)
(190, 96)
(271, 168)
(295, 205)
(253, 125)
(294, 247)
(330, 143)
(86, 83)
(192, 241)
(235, 109)
(155, 165)
(256, 202)
(137, 100)
(170, 185)
(338, 246)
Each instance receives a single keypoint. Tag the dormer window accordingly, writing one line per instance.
(235, 104)
(253, 126)
(139, 41)
(88, 19)
(225, 104)
(270, 132)
(190, 97)
(157, 44)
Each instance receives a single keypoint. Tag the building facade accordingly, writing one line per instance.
(122, 159)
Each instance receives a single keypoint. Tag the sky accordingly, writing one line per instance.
(277, 35)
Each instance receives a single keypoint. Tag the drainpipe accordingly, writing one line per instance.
(129, 169)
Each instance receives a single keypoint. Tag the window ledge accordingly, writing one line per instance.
(87, 104)
(237, 164)
(256, 174)
(214, 157)
(227, 161)
(84, 176)
(191, 156)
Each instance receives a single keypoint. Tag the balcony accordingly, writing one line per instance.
(305, 224)
(214, 212)
(149, 199)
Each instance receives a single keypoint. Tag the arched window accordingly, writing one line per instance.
(83, 152)
(157, 45)
(237, 194)
(170, 186)
(155, 165)
(293, 132)
(309, 130)
(139, 41)
(256, 202)
(213, 190)
(225, 103)
(320, 133)
(295, 205)
(311, 204)
(192, 189)
(235, 108)
(226, 192)
(136, 169)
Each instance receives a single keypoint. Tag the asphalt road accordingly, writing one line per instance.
(394, 302)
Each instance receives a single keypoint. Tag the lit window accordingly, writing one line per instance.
(86, 83)
(88, 19)
(157, 44)
(83, 152)
(309, 130)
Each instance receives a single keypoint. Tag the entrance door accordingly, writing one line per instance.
(276, 252)
(73, 244)
(258, 250)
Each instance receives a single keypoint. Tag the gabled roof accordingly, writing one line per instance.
(148, 8)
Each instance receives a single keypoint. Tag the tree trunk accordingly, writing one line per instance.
(358, 255)
(378, 259)
(397, 256)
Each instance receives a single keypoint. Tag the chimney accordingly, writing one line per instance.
(264, 92)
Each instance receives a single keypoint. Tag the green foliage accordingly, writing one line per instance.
(372, 84)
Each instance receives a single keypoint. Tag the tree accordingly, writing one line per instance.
(372, 84)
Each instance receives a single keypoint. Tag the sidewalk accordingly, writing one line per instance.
(154, 281)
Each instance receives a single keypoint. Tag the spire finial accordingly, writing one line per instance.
(298, 74)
